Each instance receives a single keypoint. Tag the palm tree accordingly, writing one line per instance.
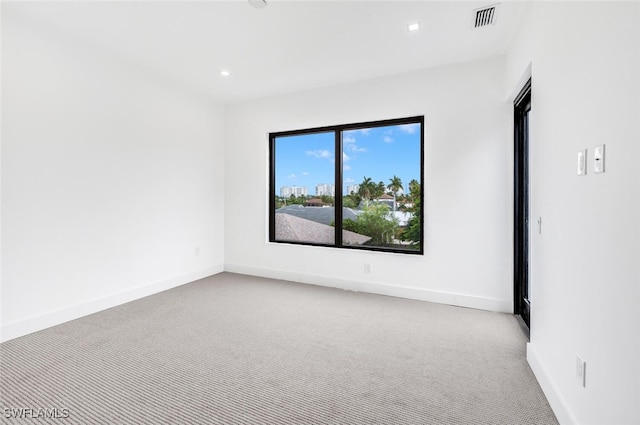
(367, 187)
(395, 186)
(379, 190)
(414, 189)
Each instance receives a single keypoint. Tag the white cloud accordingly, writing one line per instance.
(387, 139)
(292, 177)
(355, 148)
(345, 157)
(409, 128)
(304, 173)
(354, 133)
(346, 167)
(349, 180)
(319, 153)
(348, 139)
(350, 144)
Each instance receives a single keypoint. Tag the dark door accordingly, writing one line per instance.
(522, 112)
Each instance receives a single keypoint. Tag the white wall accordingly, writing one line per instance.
(585, 62)
(111, 177)
(467, 258)
(1, 201)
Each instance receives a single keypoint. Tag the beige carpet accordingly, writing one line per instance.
(232, 349)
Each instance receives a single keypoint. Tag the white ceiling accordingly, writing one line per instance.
(287, 46)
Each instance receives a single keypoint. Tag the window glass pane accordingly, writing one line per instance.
(382, 189)
(382, 186)
(305, 190)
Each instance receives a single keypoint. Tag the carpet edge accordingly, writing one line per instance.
(449, 298)
(32, 324)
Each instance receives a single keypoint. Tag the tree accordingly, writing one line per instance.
(376, 222)
(352, 226)
(348, 202)
(280, 202)
(299, 200)
(379, 190)
(327, 200)
(352, 200)
(409, 199)
(414, 188)
(367, 188)
(395, 186)
(412, 232)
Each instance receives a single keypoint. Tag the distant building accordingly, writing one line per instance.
(354, 188)
(287, 191)
(314, 202)
(385, 199)
(323, 189)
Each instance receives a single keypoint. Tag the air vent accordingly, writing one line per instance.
(485, 16)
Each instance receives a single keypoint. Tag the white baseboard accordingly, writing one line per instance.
(32, 324)
(557, 403)
(26, 326)
(449, 298)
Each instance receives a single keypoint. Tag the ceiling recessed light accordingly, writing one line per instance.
(258, 4)
(414, 26)
(225, 73)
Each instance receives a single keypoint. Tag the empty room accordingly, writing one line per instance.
(320, 212)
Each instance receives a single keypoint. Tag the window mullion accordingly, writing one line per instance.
(337, 202)
(272, 186)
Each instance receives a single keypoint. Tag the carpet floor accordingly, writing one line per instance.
(233, 349)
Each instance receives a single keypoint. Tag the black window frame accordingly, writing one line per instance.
(521, 108)
(338, 181)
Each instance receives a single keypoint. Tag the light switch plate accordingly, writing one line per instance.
(539, 225)
(581, 371)
(582, 162)
(598, 159)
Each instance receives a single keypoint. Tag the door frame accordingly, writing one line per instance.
(521, 107)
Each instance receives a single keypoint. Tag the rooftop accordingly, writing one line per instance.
(292, 228)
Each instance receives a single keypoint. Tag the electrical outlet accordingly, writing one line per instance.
(367, 268)
(581, 369)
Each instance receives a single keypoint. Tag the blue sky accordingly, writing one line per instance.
(379, 153)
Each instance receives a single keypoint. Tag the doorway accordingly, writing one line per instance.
(521, 139)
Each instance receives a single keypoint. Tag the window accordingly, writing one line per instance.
(368, 196)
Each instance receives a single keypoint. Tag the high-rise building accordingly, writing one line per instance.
(325, 189)
(352, 188)
(287, 191)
